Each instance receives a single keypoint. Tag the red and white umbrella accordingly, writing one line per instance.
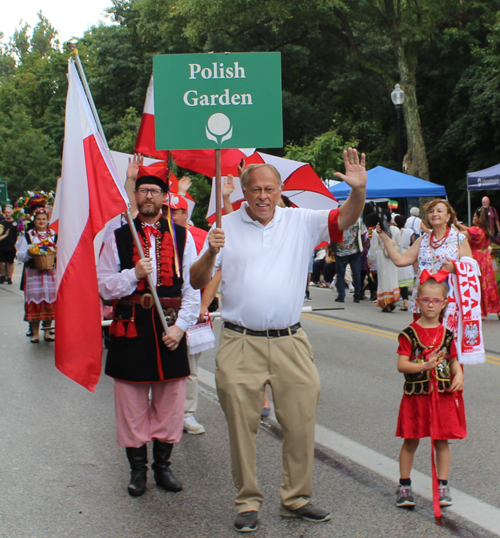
(301, 185)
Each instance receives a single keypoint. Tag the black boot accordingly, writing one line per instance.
(138, 459)
(161, 466)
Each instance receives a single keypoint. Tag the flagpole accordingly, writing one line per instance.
(128, 214)
(218, 189)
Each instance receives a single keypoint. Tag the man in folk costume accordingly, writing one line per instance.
(141, 358)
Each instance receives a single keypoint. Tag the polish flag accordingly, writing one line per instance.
(89, 194)
(201, 161)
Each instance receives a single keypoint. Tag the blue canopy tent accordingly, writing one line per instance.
(385, 183)
(483, 180)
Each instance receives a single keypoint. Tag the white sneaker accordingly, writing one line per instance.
(191, 425)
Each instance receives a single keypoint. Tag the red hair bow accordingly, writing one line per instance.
(440, 276)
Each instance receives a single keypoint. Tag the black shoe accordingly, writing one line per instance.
(138, 459)
(247, 521)
(339, 300)
(164, 477)
(30, 330)
(356, 300)
(9, 280)
(308, 512)
(2, 279)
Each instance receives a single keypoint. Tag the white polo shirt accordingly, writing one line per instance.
(264, 268)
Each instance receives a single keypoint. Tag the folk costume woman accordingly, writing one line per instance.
(479, 237)
(434, 251)
(39, 286)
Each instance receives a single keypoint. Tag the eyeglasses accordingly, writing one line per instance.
(427, 301)
(154, 192)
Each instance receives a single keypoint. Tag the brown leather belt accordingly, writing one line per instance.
(146, 301)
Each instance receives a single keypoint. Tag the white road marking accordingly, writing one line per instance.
(464, 505)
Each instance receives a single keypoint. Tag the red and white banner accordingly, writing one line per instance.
(89, 194)
(201, 161)
(301, 185)
(463, 313)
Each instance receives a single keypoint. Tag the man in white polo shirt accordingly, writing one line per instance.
(263, 253)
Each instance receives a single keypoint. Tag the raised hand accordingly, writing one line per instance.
(228, 188)
(133, 166)
(184, 184)
(355, 170)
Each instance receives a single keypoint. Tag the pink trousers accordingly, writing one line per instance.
(140, 419)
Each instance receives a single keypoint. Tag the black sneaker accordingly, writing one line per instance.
(339, 300)
(308, 512)
(404, 496)
(9, 280)
(2, 279)
(247, 521)
(356, 300)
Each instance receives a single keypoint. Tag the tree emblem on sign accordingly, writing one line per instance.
(219, 125)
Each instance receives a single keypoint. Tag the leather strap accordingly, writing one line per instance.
(270, 333)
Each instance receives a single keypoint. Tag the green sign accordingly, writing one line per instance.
(217, 101)
(4, 196)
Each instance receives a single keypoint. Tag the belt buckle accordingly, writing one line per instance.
(147, 301)
(268, 335)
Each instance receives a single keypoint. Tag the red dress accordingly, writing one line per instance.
(479, 243)
(441, 412)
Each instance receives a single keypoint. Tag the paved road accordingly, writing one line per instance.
(63, 475)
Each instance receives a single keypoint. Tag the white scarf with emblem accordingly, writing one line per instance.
(463, 313)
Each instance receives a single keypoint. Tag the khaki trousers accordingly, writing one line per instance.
(191, 403)
(244, 365)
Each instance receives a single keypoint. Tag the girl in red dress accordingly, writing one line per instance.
(432, 404)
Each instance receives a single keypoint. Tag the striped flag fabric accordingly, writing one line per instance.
(89, 194)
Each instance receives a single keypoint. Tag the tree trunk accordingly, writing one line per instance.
(415, 161)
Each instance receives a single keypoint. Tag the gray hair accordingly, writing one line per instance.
(415, 211)
(246, 174)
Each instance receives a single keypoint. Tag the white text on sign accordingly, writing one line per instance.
(191, 99)
(216, 71)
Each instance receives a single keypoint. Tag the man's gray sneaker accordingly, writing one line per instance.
(404, 496)
(247, 521)
(308, 512)
(444, 496)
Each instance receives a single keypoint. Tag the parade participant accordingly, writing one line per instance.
(179, 211)
(348, 252)
(387, 281)
(8, 238)
(263, 252)
(432, 403)
(39, 286)
(492, 216)
(140, 357)
(479, 237)
(406, 275)
(433, 251)
(415, 223)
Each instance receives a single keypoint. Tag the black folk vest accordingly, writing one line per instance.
(145, 358)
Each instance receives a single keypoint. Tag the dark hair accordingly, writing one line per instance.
(371, 220)
(484, 221)
(400, 221)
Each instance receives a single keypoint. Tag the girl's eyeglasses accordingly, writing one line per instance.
(427, 300)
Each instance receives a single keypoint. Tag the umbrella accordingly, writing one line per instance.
(301, 185)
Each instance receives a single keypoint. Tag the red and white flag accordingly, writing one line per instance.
(201, 161)
(89, 194)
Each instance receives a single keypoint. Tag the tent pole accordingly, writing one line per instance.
(468, 203)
